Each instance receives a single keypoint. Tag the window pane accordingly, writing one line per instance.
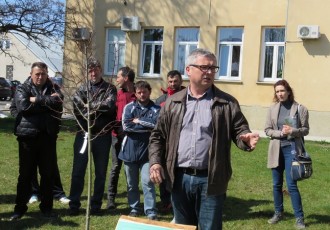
(147, 58)
(115, 35)
(274, 34)
(158, 58)
(111, 58)
(223, 62)
(268, 62)
(231, 34)
(192, 47)
(181, 58)
(280, 62)
(235, 61)
(153, 35)
(187, 34)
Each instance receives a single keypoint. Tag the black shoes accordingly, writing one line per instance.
(133, 214)
(49, 215)
(15, 217)
(111, 204)
(153, 217)
(96, 212)
(73, 211)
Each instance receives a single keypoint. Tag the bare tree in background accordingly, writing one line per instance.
(36, 19)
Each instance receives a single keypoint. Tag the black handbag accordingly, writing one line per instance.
(301, 167)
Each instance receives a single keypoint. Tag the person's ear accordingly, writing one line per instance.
(188, 70)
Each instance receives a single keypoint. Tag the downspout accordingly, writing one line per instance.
(285, 36)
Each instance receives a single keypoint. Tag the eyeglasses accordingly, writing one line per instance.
(207, 68)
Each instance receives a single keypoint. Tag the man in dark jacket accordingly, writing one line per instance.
(38, 109)
(196, 127)
(100, 96)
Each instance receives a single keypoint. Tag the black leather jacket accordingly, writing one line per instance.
(42, 116)
(102, 102)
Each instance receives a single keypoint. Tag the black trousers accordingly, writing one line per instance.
(58, 191)
(115, 167)
(39, 151)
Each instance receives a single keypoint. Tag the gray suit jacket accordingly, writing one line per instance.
(272, 131)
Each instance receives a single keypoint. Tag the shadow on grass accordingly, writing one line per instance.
(7, 198)
(34, 220)
(239, 209)
(324, 219)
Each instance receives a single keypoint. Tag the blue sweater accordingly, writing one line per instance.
(135, 144)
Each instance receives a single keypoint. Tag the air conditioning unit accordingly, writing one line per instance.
(130, 23)
(308, 31)
(80, 34)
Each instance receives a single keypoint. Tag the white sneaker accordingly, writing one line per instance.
(33, 199)
(64, 200)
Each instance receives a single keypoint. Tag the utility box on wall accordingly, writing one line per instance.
(80, 34)
(130, 24)
(308, 31)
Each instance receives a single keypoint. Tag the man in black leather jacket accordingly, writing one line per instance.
(101, 98)
(39, 106)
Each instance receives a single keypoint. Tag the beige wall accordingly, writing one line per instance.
(20, 57)
(306, 61)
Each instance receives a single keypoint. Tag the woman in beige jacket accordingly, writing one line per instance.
(286, 125)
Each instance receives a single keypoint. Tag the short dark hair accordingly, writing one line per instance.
(93, 63)
(142, 84)
(174, 73)
(287, 87)
(40, 65)
(126, 71)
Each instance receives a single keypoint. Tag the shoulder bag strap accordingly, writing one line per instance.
(303, 139)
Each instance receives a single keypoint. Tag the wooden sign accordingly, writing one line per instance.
(136, 223)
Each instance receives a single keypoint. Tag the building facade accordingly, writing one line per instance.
(257, 42)
(18, 53)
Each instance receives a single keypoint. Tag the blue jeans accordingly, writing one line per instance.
(192, 205)
(100, 150)
(285, 160)
(133, 194)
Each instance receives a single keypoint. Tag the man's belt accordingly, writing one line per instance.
(194, 172)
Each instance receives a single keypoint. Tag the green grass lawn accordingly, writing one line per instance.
(249, 199)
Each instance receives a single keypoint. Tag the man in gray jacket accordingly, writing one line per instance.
(195, 128)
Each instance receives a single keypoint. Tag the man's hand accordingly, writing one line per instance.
(32, 99)
(55, 95)
(156, 173)
(251, 139)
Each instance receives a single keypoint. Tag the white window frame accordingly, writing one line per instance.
(276, 46)
(153, 45)
(230, 45)
(188, 45)
(118, 45)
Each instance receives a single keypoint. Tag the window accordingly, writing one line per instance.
(230, 53)
(5, 44)
(152, 52)
(186, 41)
(273, 53)
(114, 51)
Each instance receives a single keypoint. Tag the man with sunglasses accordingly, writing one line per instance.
(196, 127)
